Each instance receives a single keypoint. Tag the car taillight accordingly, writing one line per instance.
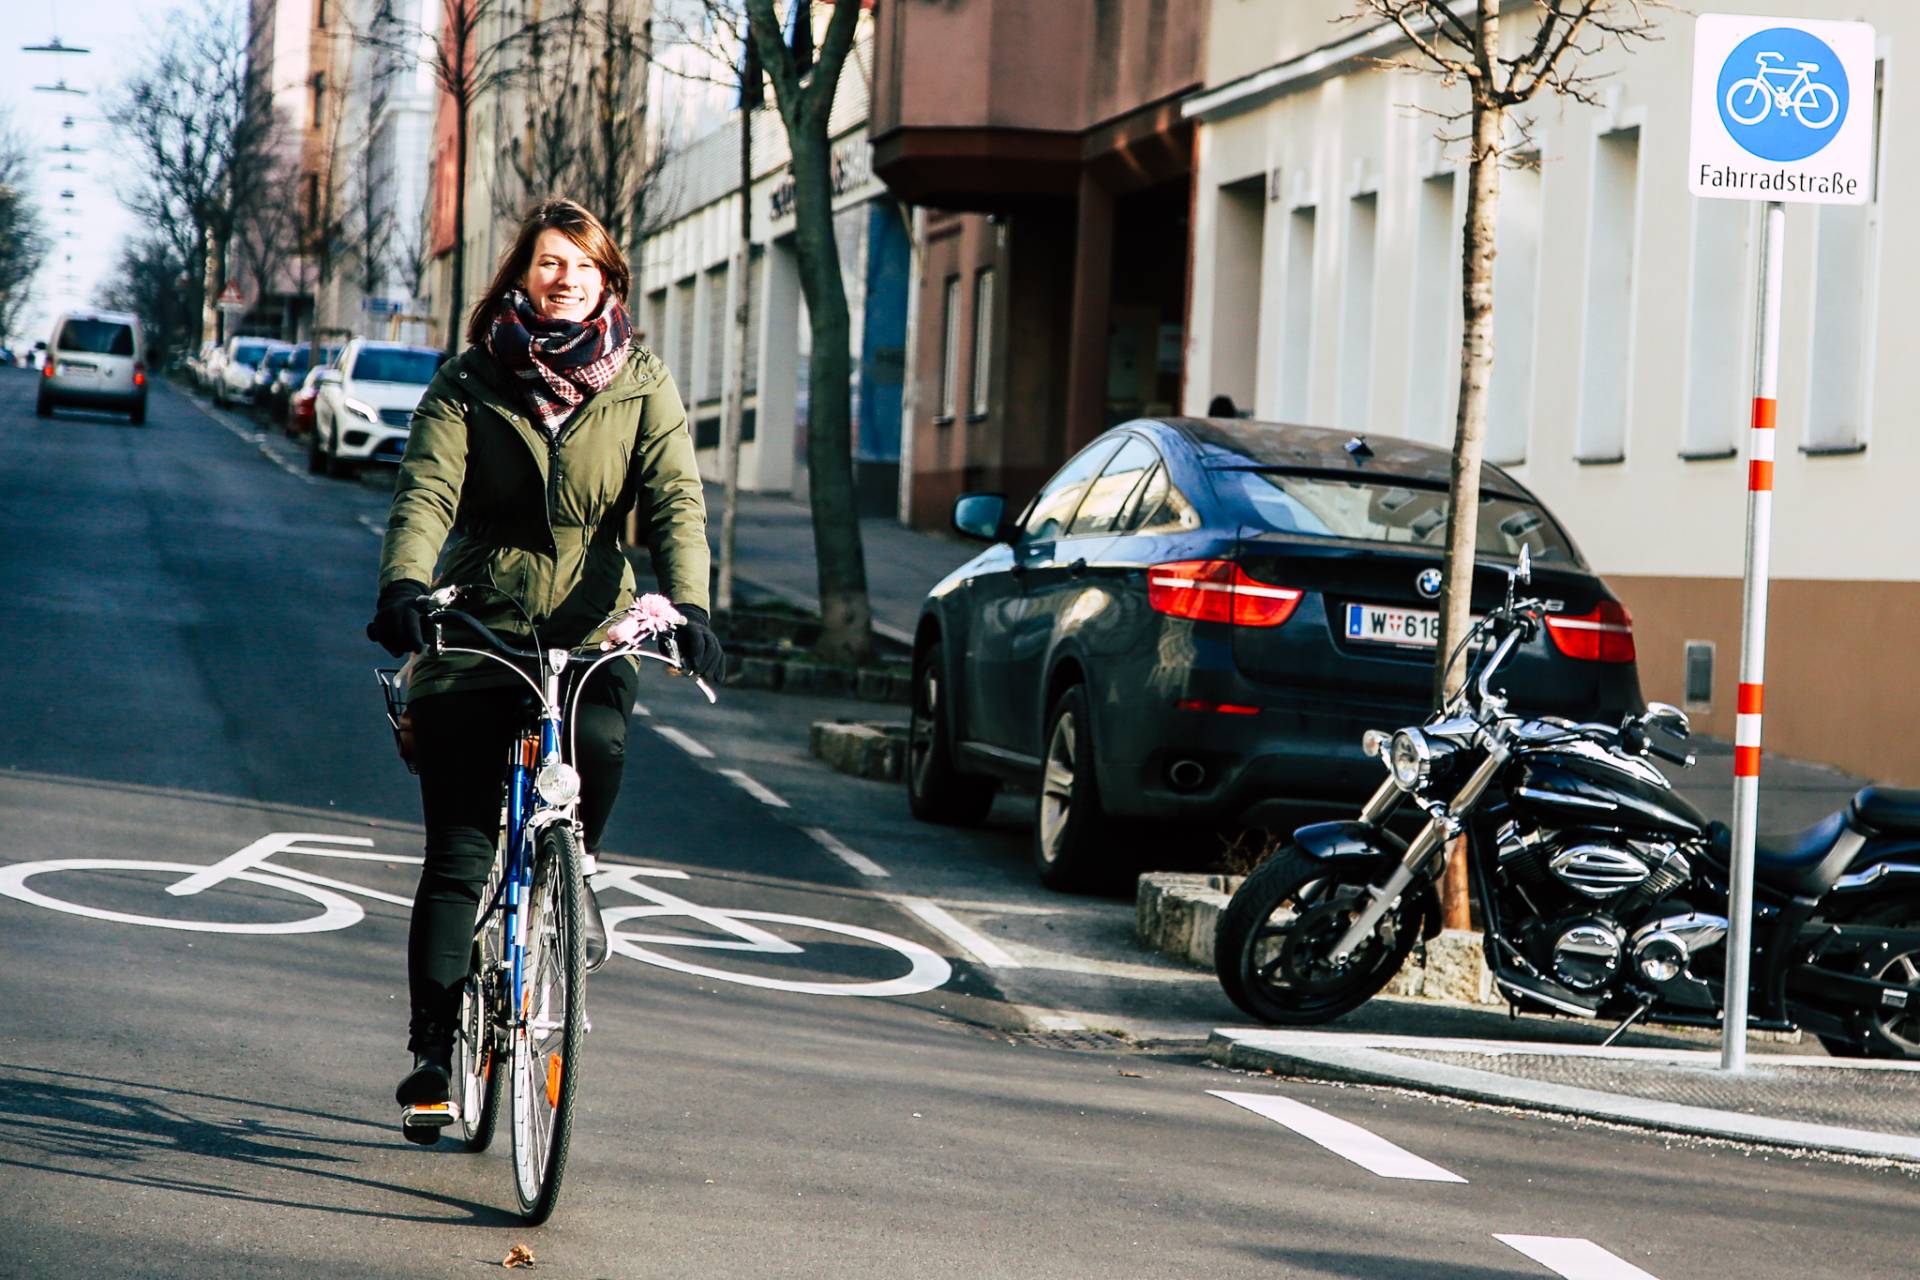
(46, 370)
(139, 375)
(1603, 634)
(1218, 591)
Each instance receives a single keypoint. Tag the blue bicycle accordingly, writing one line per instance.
(524, 1003)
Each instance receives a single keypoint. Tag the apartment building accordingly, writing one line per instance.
(1325, 289)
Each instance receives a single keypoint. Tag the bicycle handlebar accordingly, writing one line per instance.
(436, 612)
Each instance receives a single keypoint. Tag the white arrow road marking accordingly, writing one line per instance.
(689, 745)
(1573, 1258)
(753, 787)
(1349, 1141)
(980, 949)
(858, 861)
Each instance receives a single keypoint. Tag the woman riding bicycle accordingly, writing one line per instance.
(527, 454)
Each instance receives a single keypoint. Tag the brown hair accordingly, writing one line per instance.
(574, 222)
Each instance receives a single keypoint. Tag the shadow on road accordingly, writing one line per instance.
(251, 1150)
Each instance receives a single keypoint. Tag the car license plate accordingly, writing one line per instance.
(76, 370)
(1384, 624)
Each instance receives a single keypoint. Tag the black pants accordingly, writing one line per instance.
(461, 741)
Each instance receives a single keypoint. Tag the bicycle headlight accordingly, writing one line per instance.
(558, 783)
(1410, 757)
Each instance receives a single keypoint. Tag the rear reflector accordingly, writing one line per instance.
(1605, 634)
(1218, 591)
(46, 370)
(139, 375)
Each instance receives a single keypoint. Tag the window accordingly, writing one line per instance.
(1239, 232)
(1053, 509)
(1107, 496)
(319, 95)
(1719, 328)
(1516, 296)
(949, 348)
(1845, 272)
(313, 200)
(682, 331)
(395, 364)
(1296, 319)
(1433, 362)
(756, 275)
(1356, 310)
(713, 368)
(95, 337)
(1699, 675)
(1383, 511)
(982, 339)
(320, 14)
(1608, 346)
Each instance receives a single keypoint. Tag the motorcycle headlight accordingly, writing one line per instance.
(558, 783)
(1411, 759)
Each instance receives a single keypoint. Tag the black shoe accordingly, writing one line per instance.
(424, 1097)
(593, 930)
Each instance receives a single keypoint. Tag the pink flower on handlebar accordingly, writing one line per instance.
(649, 616)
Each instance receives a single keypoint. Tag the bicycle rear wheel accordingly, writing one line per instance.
(476, 1079)
(546, 1045)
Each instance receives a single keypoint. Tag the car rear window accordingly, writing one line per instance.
(381, 364)
(249, 353)
(1379, 510)
(96, 337)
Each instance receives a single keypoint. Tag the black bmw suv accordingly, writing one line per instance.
(1197, 619)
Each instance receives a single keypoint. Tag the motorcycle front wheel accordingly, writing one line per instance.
(1275, 937)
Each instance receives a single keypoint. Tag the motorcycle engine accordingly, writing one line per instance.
(1584, 890)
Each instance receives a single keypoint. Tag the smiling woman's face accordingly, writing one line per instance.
(563, 282)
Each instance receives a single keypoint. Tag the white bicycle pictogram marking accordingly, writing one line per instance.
(926, 970)
(1775, 88)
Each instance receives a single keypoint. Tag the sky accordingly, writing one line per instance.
(119, 32)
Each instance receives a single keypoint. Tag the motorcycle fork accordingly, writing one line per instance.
(1431, 842)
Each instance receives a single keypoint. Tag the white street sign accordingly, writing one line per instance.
(1782, 109)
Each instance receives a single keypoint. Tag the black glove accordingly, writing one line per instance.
(396, 620)
(700, 650)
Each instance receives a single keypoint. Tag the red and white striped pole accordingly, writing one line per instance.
(1753, 638)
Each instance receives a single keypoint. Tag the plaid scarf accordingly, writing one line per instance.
(561, 362)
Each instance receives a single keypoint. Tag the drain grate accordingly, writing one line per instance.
(1074, 1041)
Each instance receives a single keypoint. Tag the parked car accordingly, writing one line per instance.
(6, 357)
(233, 383)
(300, 404)
(1197, 619)
(267, 370)
(98, 359)
(291, 373)
(204, 365)
(366, 403)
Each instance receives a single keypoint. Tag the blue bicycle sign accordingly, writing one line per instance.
(1782, 94)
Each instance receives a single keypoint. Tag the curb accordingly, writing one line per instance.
(1359, 1059)
(800, 675)
(871, 749)
(1178, 914)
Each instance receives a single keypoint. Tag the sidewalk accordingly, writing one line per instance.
(1792, 1100)
(773, 538)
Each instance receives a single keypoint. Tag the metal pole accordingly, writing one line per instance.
(1753, 638)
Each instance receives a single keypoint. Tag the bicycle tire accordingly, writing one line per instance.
(546, 1068)
(476, 1057)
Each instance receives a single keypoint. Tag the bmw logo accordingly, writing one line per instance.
(1428, 583)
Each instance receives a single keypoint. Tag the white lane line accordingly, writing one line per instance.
(858, 861)
(640, 709)
(1574, 1258)
(753, 787)
(372, 526)
(1349, 1141)
(980, 949)
(682, 741)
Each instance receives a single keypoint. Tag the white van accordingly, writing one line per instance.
(97, 360)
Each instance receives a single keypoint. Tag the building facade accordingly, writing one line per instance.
(1326, 290)
(686, 294)
(1046, 144)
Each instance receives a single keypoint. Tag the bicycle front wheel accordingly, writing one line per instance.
(477, 1038)
(552, 1025)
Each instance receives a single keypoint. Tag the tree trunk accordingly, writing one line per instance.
(457, 293)
(733, 416)
(1470, 429)
(846, 618)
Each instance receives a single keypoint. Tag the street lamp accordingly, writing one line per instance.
(59, 86)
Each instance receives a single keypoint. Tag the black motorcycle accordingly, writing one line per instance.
(1601, 892)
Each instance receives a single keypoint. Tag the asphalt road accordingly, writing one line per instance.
(182, 609)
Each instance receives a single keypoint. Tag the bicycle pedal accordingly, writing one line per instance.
(423, 1122)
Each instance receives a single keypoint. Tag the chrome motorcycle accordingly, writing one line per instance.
(1602, 893)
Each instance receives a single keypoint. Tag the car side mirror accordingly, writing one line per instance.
(981, 515)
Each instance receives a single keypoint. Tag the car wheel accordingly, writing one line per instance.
(316, 463)
(339, 467)
(43, 405)
(138, 414)
(1072, 848)
(936, 789)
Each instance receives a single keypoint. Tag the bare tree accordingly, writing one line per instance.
(805, 101)
(148, 281)
(1462, 44)
(23, 238)
(200, 125)
(545, 157)
(270, 229)
(469, 55)
(369, 219)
